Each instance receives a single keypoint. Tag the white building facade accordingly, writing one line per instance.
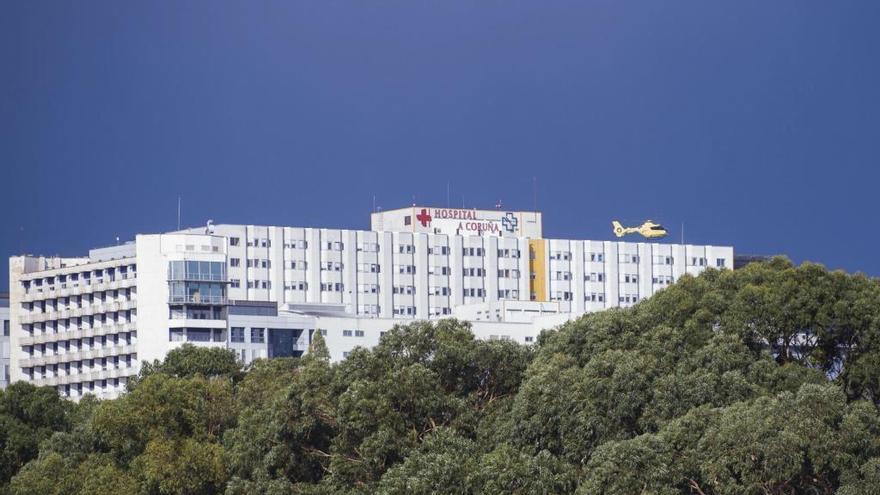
(83, 325)
(5, 345)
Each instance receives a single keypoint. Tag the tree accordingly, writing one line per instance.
(507, 470)
(164, 407)
(28, 415)
(180, 467)
(189, 360)
(444, 462)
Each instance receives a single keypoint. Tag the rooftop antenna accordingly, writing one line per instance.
(682, 233)
(535, 193)
(414, 199)
(374, 203)
(178, 212)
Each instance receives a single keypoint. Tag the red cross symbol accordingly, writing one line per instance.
(424, 217)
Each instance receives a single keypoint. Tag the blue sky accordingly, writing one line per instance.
(755, 123)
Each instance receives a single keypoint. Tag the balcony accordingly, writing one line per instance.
(85, 376)
(197, 299)
(197, 277)
(96, 331)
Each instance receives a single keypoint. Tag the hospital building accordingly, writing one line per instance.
(85, 324)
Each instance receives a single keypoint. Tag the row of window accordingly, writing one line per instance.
(80, 302)
(258, 335)
(373, 247)
(83, 366)
(78, 345)
(87, 277)
(80, 323)
(337, 266)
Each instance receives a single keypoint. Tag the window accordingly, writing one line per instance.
(719, 262)
(406, 269)
(333, 266)
(561, 296)
(368, 309)
(630, 278)
(407, 220)
(438, 250)
(595, 297)
(406, 249)
(472, 251)
(257, 336)
(438, 270)
(296, 285)
(508, 253)
(530, 339)
(296, 244)
(234, 262)
(474, 272)
(508, 294)
(236, 334)
(405, 310)
(560, 255)
(358, 333)
(6, 328)
(597, 257)
(334, 246)
(369, 247)
(368, 267)
(331, 287)
(347, 333)
(234, 241)
(404, 289)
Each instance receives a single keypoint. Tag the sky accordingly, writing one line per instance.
(755, 124)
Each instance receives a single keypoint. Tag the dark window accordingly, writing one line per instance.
(257, 336)
(237, 334)
(407, 220)
(198, 335)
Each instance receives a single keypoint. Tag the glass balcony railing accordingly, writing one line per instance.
(197, 277)
(197, 299)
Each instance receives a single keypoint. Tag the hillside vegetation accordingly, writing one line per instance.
(764, 380)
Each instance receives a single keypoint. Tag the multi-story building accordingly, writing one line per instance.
(4, 340)
(83, 325)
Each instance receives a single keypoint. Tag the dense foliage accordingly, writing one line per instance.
(764, 380)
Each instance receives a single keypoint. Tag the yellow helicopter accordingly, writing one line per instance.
(649, 230)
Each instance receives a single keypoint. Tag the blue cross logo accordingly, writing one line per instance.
(509, 222)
